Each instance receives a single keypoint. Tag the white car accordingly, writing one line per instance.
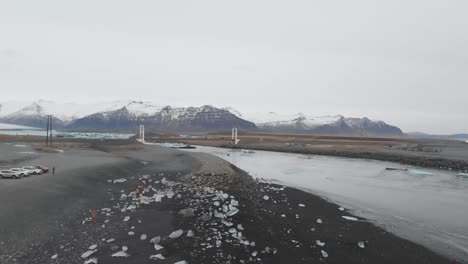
(32, 170)
(9, 174)
(21, 171)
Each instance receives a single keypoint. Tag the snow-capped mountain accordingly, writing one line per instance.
(125, 115)
(333, 125)
(204, 118)
(32, 115)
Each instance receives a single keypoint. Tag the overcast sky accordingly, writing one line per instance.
(404, 62)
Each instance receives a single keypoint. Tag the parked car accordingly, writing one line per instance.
(44, 169)
(10, 174)
(21, 172)
(33, 170)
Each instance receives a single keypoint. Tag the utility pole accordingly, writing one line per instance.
(50, 130)
(47, 133)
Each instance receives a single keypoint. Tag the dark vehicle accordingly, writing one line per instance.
(44, 169)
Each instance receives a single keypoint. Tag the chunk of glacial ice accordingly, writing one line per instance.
(320, 243)
(324, 254)
(120, 180)
(88, 253)
(190, 233)
(361, 244)
(143, 237)
(319, 221)
(301, 205)
(54, 256)
(91, 261)
(120, 254)
(176, 233)
(350, 218)
(232, 212)
(181, 262)
(266, 197)
(93, 247)
(157, 256)
(155, 240)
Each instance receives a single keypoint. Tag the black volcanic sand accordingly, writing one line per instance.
(44, 215)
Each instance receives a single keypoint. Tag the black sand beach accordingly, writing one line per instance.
(47, 218)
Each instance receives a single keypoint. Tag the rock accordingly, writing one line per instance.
(187, 212)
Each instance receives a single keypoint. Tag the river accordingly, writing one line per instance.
(429, 207)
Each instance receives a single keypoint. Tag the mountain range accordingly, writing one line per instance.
(127, 115)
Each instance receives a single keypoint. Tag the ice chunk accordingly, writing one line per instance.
(341, 209)
(110, 240)
(181, 262)
(131, 233)
(324, 254)
(155, 240)
(266, 197)
(232, 212)
(93, 247)
(319, 221)
(190, 233)
(91, 261)
(320, 243)
(301, 205)
(157, 256)
(88, 253)
(361, 244)
(143, 237)
(350, 218)
(120, 254)
(158, 247)
(126, 218)
(120, 180)
(54, 256)
(176, 233)
(419, 173)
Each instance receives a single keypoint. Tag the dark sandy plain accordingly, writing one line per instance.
(196, 208)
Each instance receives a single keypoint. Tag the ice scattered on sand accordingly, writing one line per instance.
(54, 256)
(350, 218)
(120, 180)
(319, 221)
(320, 243)
(92, 247)
(324, 254)
(157, 256)
(143, 237)
(176, 234)
(361, 244)
(88, 253)
(190, 233)
(91, 261)
(266, 197)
